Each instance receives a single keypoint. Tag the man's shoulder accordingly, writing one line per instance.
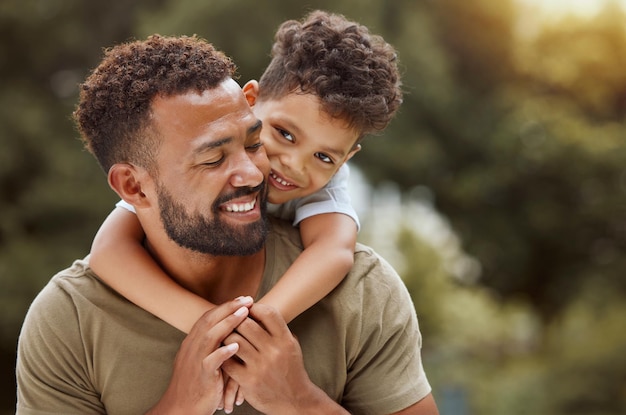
(287, 241)
(55, 311)
(72, 297)
(56, 300)
(373, 276)
(66, 282)
(78, 280)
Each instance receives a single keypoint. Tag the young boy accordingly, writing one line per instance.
(329, 83)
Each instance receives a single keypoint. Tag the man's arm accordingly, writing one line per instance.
(56, 373)
(426, 406)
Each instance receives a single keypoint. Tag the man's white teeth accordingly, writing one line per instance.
(281, 181)
(241, 207)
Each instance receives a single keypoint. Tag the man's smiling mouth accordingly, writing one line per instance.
(240, 207)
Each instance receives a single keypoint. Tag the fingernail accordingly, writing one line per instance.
(233, 347)
(241, 311)
(245, 300)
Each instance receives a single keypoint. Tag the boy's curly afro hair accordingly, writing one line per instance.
(354, 73)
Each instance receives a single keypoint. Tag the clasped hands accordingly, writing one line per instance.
(238, 349)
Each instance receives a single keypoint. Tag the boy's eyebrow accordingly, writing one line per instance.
(333, 151)
(336, 152)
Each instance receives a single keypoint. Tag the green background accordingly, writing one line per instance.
(499, 191)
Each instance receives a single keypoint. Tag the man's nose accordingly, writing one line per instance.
(246, 173)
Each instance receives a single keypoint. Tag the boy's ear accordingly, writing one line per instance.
(251, 91)
(355, 150)
(125, 180)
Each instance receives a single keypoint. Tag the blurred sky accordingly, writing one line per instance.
(559, 8)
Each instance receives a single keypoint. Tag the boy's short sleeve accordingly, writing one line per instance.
(125, 205)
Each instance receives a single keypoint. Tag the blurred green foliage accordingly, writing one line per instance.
(512, 130)
(500, 357)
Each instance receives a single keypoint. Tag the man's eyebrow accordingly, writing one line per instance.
(212, 144)
(218, 143)
(257, 126)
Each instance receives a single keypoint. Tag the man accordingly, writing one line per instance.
(179, 142)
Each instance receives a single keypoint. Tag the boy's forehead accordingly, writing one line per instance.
(324, 109)
(303, 115)
(298, 104)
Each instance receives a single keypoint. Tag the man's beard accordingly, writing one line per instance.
(210, 235)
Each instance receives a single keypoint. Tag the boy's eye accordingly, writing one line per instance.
(324, 157)
(286, 134)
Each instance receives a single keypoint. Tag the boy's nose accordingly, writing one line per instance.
(294, 164)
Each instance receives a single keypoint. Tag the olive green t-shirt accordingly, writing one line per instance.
(84, 349)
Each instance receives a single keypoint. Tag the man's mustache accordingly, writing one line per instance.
(241, 191)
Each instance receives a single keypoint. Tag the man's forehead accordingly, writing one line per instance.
(194, 110)
(226, 91)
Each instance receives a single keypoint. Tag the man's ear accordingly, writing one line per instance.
(126, 180)
(251, 91)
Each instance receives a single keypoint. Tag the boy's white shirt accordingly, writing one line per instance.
(332, 198)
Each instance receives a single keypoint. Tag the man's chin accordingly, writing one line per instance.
(229, 240)
(252, 239)
(213, 234)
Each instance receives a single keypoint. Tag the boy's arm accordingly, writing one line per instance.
(329, 241)
(119, 258)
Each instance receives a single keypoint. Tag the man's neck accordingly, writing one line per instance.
(216, 279)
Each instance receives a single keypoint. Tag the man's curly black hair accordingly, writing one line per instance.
(113, 113)
(354, 73)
